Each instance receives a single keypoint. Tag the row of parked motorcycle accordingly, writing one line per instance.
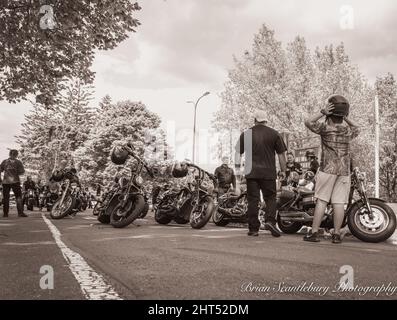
(197, 200)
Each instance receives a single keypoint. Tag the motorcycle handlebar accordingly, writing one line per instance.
(131, 151)
(202, 172)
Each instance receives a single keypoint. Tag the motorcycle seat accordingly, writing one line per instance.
(306, 193)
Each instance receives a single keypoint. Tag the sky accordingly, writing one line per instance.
(185, 47)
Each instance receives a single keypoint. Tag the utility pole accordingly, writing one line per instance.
(194, 125)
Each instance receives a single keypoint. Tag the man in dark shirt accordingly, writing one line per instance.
(260, 144)
(225, 176)
(12, 168)
(29, 184)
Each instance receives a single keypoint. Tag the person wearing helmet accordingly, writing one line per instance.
(333, 177)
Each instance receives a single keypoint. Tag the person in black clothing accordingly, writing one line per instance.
(12, 168)
(29, 184)
(314, 165)
(225, 176)
(260, 144)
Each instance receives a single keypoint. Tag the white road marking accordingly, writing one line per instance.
(78, 227)
(92, 284)
(89, 218)
(7, 224)
(28, 243)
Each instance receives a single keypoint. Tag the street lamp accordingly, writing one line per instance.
(194, 126)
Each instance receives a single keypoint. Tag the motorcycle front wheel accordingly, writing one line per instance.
(144, 211)
(122, 216)
(202, 212)
(96, 209)
(59, 211)
(30, 205)
(377, 229)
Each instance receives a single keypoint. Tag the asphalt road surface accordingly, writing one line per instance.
(79, 258)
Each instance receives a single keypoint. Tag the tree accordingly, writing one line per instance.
(35, 140)
(42, 50)
(53, 134)
(115, 124)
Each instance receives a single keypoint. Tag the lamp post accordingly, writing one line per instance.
(194, 126)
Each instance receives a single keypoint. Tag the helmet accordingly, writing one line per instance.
(119, 155)
(309, 175)
(342, 106)
(57, 175)
(179, 171)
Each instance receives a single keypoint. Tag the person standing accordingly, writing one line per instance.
(225, 176)
(12, 168)
(333, 177)
(314, 165)
(260, 144)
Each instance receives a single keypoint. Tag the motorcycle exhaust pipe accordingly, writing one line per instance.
(296, 217)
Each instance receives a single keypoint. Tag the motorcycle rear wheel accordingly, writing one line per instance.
(58, 212)
(123, 216)
(379, 229)
(161, 216)
(219, 219)
(288, 227)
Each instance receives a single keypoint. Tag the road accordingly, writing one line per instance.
(150, 261)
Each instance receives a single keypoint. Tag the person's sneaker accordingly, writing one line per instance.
(22, 215)
(336, 238)
(253, 233)
(5, 215)
(311, 237)
(273, 229)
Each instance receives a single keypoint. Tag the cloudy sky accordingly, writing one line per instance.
(185, 47)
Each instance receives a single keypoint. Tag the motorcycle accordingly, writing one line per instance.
(193, 203)
(68, 202)
(130, 201)
(105, 205)
(81, 200)
(231, 208)
(30, 199)
(51, 198)
(369, 219)
(42, 199)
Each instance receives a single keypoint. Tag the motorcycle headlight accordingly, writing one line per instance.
(139, 180)
(123, 182)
